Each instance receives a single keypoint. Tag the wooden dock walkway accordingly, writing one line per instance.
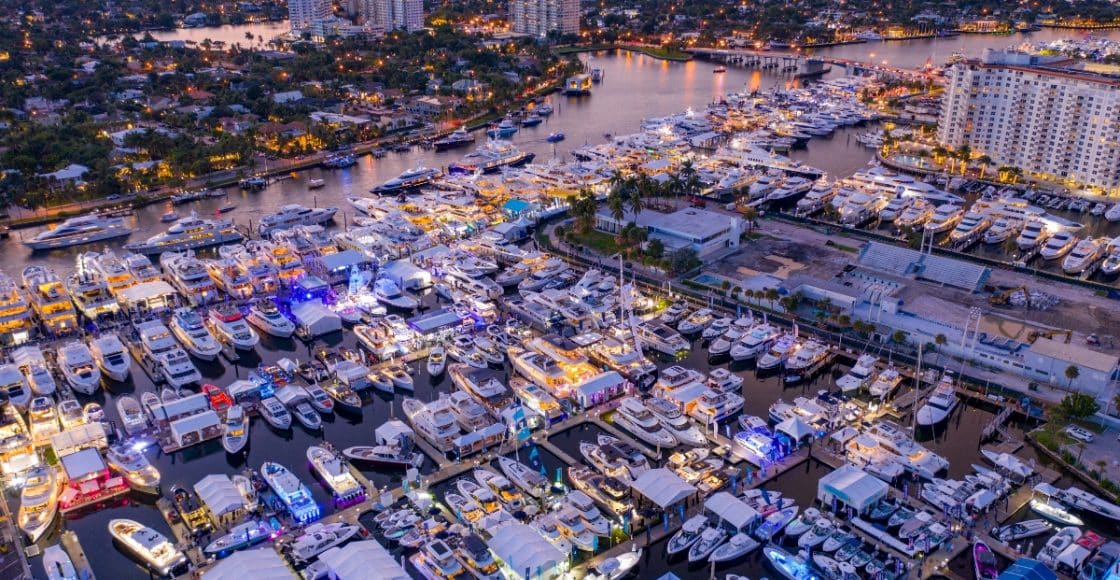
(184, 540)
(73, 547)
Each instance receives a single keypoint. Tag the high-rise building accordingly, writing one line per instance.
(407, 15)
(540, 17)
(1048, 116)
(302, 13)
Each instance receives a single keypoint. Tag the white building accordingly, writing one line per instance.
(1037, 113)
(539, 17)
(709, 234)
(407, 15)
(302, 14)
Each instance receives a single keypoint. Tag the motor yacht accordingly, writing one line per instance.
(189, 277)
(410, 180)
(491, 157)
(229, 277)
(42, 420)
(50, 301)
(523, 476)
(713, 407)
(893, 209)
(1002, 229)
(940, 405)
(387, 292)
(945, 218)
(30, 361)
(274, 413)
(38, 504)
(235, 429)
(806, 360)
(1083, 256)
(479, 494)
(676, 422)
(859, 376)
(90, 293)
(971, 225)
(885, 384)
(188, 328)
(915, 215)
(189, 233)
(291, 492)
(79, 230)
(292, 215)
(266, 316)
(134, 467)
(241, 536)
(111, 356)
(865, 451)
(710, 539)
(229, 325)
(437, 361)
(436, 560)
(912, 456)
(1033, 234)
(385, 455)
(662, 339)
(755, 342)
(753, 446)
(147, 545)
(503, 488)
(633, 416)
(695, 322)
(78, 367)
(1058, 245)
(780, 351)
(173, 364)
(131, 414)
(457, 138)
(435, 422)
(335, 474)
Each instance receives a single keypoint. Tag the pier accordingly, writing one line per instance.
(77, 555)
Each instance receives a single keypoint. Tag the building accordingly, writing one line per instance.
(302, 14)
(709, 234)
(540, 17)
(1043, 115)
(407, 15)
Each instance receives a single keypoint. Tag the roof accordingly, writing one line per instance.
(515, 205)
(662, 487)
(1074, 354)
(182, 406)
(357, 559)
(402, 268)
(82, 463)
(146, 290)
(844, 435)
(521, 547)
(313, 314)
(731, 509)
(434, 320)
(242, 386)
(853, 486)
(599, 383)
(265, 563)
(192, 423)
(219, 494)
(391, 431)
(343, 259)
(78, 436)
(1027, 569)
(795, 427)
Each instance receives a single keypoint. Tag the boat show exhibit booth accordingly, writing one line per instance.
(407, 275)
(796, 428)
(436, 325)
(335, 268)
(599, 389)
(851, 486)
(259, 564)
(88, 480)
(313, 319)
(358, 560)
(84, 436)
(195, 428)
(662, 488)
(732, 511)
(223, 500)
(527, 553)
(148, 297)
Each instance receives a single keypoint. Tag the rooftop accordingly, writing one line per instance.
(1074, 354)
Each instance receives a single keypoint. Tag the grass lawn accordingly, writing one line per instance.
(600, 242)
(663, 53)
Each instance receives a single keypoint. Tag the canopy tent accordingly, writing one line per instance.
(523, 549)
(80, 437)
(851, 486)
(796, 428)
(844, 435)
(737, 513)
(599, 388)
(183, 429)
(220, 495)
(1027, 569)
(148, 296)
(260, 564)
(662, 487)
(392, 432)
(361, 560)
(406, 274)
(316, 319)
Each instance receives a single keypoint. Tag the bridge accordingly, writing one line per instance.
(796, 61)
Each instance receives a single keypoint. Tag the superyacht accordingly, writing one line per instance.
(494, 155)
(292, 215)
(91, 293)
(79, 230)
(189, 276)
(49, 299)
(187, 234)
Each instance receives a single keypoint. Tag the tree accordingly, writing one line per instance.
(684, 260)
(616, 204)
(1072, 372)
(1078, 405)
(750, 214)
(655, 249)
(984, 161)
(899, 337)
(771, 296)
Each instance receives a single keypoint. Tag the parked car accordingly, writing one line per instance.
(1079, 433)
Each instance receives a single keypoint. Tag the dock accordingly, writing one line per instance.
(184, 540)
(995, 426)
(142, 359)
(77, 554)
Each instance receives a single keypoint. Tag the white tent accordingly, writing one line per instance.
(851, 486)
(844, 435)
(406, 275)
(796, 428)
(260, 564)
(737, 513)
(316, 318)
(662, 487)
(80, 437)
(181, 429)
(220, 495)
(523, 549)
(361, 560)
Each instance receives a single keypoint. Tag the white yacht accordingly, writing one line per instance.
(676, 422)
(662, 339)
(78, 367)
(15, 314)
(909, 454)
(38, 503)
(940, 405)
(235, 429)
(57, 564)
(335, 473)
(91, 293)
(1057, 246)
(695, 322)
(34, 367)
(50, 301)
(292, 215)
(160, 347)
(859, 207)
(894, 208)
(885, 383)
(131, 464)
(1086, 253)
(189, 277)
(780, 351)
(411, 179)
(265, 315)
(291, 491)
(187, 234)
(387, 292)
(111, 356)
(228, 275)
(1034, 233)
(188, 328)
(713, 407)
(274, 413)
(859, 376)
(149, 546)
(915, 215)
(1002, 229)
(229, 325)
(972, 224)
(13, 386)
(632, 416)
(434, 421)
(944, 219)
(806, 360)
(754, 342)
(79, 230)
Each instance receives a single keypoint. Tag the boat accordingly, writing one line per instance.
(944, 218)
(335, 474)
(806, 360)
(736, 547)
(789, 566)
(235, 429)
(159, 347)
(505, 128)
(319, 399)
(90, 292)
(473, 491)
(491, 157)
(617, 566)
(822, 529)
(754, 342)
(1084, 255)
(688, 535)
(437, 361)
(710, 539)
(291, 491)
(229, 325)
(190, 277)
(111, 356)
(78, 367)
(265, 315)
(1010, 465)
(525, 477)
(307, 416)
(384, 455)
(339, 161)
(592, 518)
(633, 416)
(134, 467)
(436, 561)
(1080, 499)
(147, 545)
(467, 510)
(188, 328)
(50, 300)
(696, 322)
(42, 420)
(859, 376)
(58, 565)
(316, 183)
(38, 503)
(780, 350)
(676, 422)
(189, 233)
(971, 225)
(79, 230)
(239, 537)
(387, 292)
(713, 407)
(32, 364)
(132, 416)
(803, 523)
(940, 404)
(93, 413)
(292, 215)
(409, 180)
(434, 421)
(885, 383)
(555, 137)
(1058, 245)
(775, 522)
(1021, 530)
(343, 396)
(275, 413)
(1057, 544)
(319, 538)
(457, 138)
(192, 512)
(906, 451)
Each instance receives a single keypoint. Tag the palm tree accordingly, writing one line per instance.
(1072, 372)
(636, 195)
(750, 214)
(616, 204)
(964, 153)
(983, 160)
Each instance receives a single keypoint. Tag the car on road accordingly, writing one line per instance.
(1079, 433)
